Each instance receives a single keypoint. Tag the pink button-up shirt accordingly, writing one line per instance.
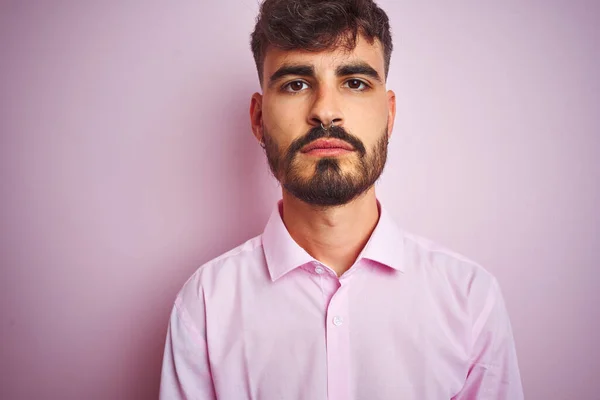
(409, 320)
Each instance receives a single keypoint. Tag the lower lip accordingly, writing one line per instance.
(328, 152)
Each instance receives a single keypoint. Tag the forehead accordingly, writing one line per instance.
(329, 59)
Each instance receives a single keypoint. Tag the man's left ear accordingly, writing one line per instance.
(391, 98)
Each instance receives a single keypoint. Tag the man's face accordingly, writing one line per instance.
(340, 90)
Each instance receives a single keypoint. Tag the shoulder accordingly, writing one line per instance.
(222, 272)
(446, 271)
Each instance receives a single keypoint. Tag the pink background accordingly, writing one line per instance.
(127, 161)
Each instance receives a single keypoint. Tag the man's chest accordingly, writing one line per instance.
(315, 341)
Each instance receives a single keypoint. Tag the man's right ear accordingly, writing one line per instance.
(256, 121)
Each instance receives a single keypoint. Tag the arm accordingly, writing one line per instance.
(494, 371)
(185, 370)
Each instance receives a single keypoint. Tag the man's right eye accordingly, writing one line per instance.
(295, 86)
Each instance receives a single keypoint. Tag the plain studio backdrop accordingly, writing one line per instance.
(127, 161)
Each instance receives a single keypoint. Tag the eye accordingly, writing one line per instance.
(357, 84)
(295, 86)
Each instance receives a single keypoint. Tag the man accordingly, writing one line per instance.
(333, 300)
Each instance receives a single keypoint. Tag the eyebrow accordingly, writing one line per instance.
(292, 69)
(355, 68)
(358, 68)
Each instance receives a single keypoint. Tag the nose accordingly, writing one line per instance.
(326, 108)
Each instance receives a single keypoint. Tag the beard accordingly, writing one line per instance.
(327, 181)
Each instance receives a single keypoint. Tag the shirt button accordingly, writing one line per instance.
(337, 321)
(319, 270)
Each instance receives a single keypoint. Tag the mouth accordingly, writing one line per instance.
(327, 147)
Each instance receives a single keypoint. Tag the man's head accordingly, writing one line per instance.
(325, 115)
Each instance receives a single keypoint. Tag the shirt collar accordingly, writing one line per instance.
(386, 244)
(283, 254)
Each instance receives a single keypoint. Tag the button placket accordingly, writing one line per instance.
(338, 345)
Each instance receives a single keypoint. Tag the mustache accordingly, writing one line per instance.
(335, 132)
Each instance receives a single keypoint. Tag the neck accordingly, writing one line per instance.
(333, 235)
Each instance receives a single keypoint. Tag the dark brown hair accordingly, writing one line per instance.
(316, 25)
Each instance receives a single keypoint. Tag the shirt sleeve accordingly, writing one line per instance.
(185, 370)
(494, 371)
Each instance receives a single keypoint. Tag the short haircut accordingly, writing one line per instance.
(316, 25)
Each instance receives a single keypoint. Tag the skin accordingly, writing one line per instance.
(294, 103)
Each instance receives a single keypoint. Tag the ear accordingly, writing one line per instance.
(256, 120)
(391, 97)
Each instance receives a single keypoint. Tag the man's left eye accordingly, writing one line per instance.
(356, 84)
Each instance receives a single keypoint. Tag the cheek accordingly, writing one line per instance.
(368, 115)
(284, 128)
(284, 116)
